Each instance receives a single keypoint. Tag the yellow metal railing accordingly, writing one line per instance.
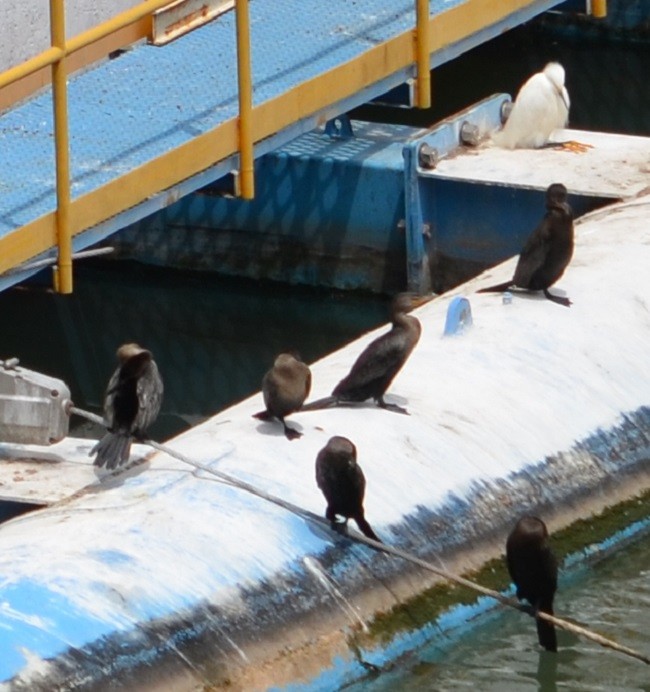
(599, 8)
(63, 270)
(422, 52)
(245, 88)
(235, 136)
(71, 215)
(56, 55)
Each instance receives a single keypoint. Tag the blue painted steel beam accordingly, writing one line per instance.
(365, 211)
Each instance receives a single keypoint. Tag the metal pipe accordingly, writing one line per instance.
(599, 8)
(245, 88)
(30, 66)
(63, 272)
(48, 261)
(423, 88)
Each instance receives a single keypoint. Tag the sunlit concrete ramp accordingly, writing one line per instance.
(165, 577)
(159, 122)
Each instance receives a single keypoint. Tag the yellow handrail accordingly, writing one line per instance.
(422, 43)
(56, 55)
(245, 89)
(44, 59)
(599, 8)
(63, 272)
(97, 33)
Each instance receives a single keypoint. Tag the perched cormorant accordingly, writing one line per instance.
(381, 360)
(340, 478)
(285, 387)
(533, 570)
(541, 106)
(132, 402)
(547, 251)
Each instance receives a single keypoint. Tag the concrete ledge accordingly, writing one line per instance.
(166, 574)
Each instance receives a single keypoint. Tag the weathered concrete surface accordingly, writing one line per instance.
(25, 25)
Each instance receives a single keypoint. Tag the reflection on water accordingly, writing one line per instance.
(611, 597)
(213, 339)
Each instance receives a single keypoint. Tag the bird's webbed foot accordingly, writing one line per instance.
(576, 147)
(571, 146)
(291, 433)
(391, 407)
(263, 415)
(560, 300)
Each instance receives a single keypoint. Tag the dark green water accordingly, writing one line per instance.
(212, 338)
(611, 596)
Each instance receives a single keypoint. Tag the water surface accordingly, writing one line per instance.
(611, 597)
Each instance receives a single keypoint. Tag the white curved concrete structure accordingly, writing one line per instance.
(167, 576)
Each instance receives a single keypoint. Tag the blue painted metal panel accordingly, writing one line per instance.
(364, 211)
(327, 211)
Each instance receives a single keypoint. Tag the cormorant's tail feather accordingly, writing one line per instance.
(112, 450)
(366, 530)
(546, 630)
(325, 402)
(262, 415)
(499, 288)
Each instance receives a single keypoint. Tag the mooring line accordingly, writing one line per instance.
(383, 547)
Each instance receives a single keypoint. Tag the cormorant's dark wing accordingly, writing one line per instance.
(338, 480)
(325, 477)
(150, 393)
(109, 399)
(307, 384)
(270, 388)
(549, 568)
(379, 361)
(285, 390)
(511, 564)
(533, 254)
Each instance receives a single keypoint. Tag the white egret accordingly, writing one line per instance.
(541, 106)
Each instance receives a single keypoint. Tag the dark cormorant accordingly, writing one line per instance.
(285, 387)
(533, 570)
(340, 478)
(381, 360)
(547, 251)
(132, 402)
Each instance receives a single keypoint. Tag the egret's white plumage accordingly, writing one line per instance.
(541, 106)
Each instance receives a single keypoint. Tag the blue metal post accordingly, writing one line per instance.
(417, 265)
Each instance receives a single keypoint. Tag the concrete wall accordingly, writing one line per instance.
(25, 28)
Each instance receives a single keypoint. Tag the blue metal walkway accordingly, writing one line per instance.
(126, 115)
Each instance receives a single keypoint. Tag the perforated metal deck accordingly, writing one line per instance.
(127, 112)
